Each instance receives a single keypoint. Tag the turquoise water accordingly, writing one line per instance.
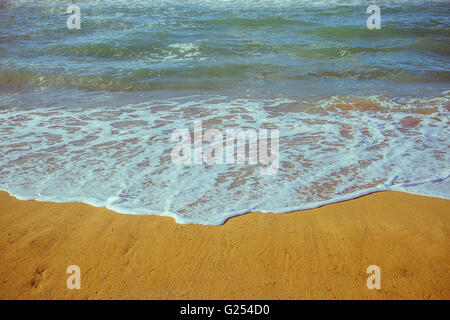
(87, 115)
(249, 48)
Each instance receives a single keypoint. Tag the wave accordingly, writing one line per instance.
(211, 77)
(330, 150)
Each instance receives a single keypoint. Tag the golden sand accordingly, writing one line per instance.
(320, 254)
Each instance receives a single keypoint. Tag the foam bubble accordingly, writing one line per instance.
(330, 150)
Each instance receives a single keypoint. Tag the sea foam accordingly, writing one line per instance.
(330, 150)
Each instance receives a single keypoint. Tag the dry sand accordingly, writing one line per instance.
(320, 253)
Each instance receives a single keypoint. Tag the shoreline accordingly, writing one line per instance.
(314, 205)
(320, 253)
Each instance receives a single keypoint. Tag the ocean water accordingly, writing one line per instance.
(88, 115)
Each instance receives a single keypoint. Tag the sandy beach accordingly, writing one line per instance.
(316, 254)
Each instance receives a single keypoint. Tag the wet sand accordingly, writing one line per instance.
(316, 254)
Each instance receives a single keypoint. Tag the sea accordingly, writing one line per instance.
(89, 114)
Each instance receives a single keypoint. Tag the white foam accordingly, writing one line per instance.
(120, 157)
